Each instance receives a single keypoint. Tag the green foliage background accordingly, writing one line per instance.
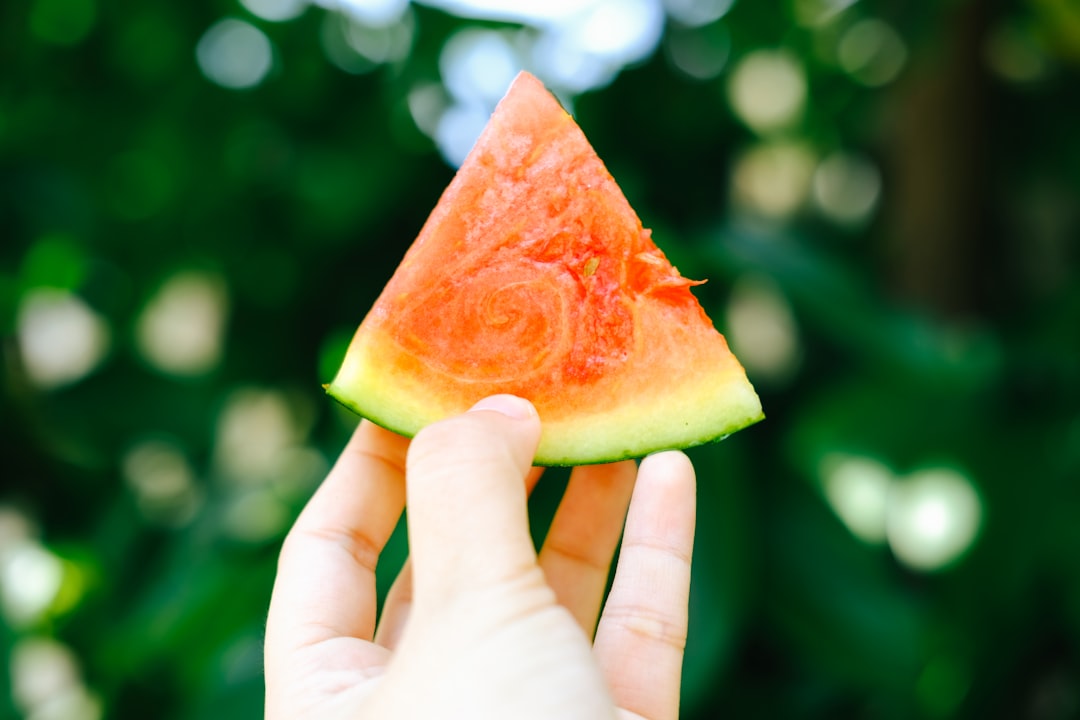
(942, 331)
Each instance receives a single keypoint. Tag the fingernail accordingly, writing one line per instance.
(508, 405)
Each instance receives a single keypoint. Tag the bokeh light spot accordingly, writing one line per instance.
(773, 179)
(181, 329)
(261, 455)
(380, 43)
(373, 13)
(767, 90)
(478, 66)
(933, 518)
(46, 682)
(624, 30)
(62, 22)
(528, 12)
(30, 578)
(163, 482)
(336, 45)
(15, 528)
(563, 64)
(857, 489)
(574, 45)
(819, 13)
(1013, 54)
(872, 52)
(695, 13)
(457, 131)
(256, 515)
(427, 102)
(700, 53)
(61, 338)
(255, 431)
(762, 329)
(846, 188)
(234, 54)
(275, 10)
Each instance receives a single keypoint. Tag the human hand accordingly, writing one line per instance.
(477, 625)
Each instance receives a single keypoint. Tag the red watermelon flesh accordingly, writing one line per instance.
(533, 276)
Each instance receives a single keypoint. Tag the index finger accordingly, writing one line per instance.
(325, 585)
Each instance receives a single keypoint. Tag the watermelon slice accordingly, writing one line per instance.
(533, 276)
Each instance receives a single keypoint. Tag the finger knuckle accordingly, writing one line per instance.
(650, 624)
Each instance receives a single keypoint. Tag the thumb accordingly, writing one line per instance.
(465, 493)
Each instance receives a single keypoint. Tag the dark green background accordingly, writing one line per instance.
(943, 331)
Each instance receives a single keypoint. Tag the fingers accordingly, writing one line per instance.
(396, 609)
(642, 632)
(576, 556)
(468, 523)
(398, 603)
(325, 585)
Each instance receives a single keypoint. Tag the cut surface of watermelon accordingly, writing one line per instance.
(533, 276)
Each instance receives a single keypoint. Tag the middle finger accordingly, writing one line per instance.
(576, 555)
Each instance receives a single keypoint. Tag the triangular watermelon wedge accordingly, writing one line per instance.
(533, 276)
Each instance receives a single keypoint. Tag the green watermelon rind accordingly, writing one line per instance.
(545, 461)
(705, 410)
